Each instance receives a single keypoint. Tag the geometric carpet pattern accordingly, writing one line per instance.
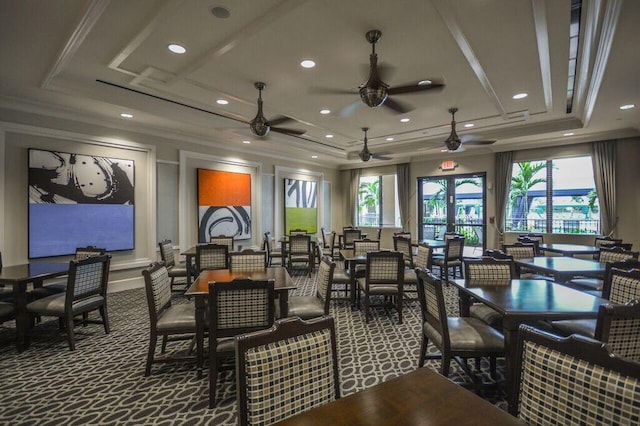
(103, 383)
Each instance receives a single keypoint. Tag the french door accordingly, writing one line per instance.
(453, 203)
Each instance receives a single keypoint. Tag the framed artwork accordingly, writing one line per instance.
(300, 205)
(224, 204)
(76, 200)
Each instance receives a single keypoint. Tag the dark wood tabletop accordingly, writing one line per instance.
(525, 301)
(563, 268)
(434, 243)
(18, 276)
(569, 249)
(422, 397)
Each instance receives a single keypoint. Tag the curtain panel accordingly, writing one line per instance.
(353, 195)
(404, 189)
(604, 173)
(504, 167)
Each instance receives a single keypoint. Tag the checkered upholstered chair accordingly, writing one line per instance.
(573, 381)
(457, 338)
(298, 232)
(498, 272)
(403, 245)
(360, 248)
(248, 260)
(223, 240)
(286, 370)
(621, 285)
(272, 252)
(423, 260)
(384, 276)
(604, 241)
(300, 251)
(171, 321)
(175, 270)
(607, 256)
(451, 258)
(7, 312)
(86, 291)
(212, 256)
(619, 327)
(236, 307)
(60, 287)
(349, 236)
(307, 307)
(521, 250)
(534, 241)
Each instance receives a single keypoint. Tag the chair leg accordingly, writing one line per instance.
(446, 363)
(213, 372)
(70, 334)
(105, 318)
(423, 351)
(492, 367)
(399, 308)
(85, 318)
(164, 344)
(153, 339)
(478, 359)
(366, 308)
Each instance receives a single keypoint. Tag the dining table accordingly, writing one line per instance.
(19, 277)
(351, 260)
(200, 291)
(434, 243)
(421, 397)
(521, 301)
(563, 268)
(569, 250)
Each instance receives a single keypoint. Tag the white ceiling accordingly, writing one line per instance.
(54, 52)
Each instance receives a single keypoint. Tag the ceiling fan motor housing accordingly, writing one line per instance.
(259, 126)
(373, 96)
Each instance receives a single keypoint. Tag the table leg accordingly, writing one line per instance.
(283, 298)
(22, 317)
(189, 266)
(464, 303)
(200, 320)
(510, 331)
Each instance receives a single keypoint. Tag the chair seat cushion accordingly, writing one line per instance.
(226, 345)
(410, 276)
(587, 283)
(340, 276)
(178, 318)
(450, 263)
(584, 327)
(48, 290)
(486, 314)
(379, 289)
(7, 311)
(6, 294)
(299, 257)
(468, 334)
(54, 305)
(178, 271)
(306, 307)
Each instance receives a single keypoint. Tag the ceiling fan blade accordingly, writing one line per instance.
(415, 87)
(288, 131)
(398, 107)
(381, 156)
(473, 140)
(331, 91)
(279, 120)
(351, 109)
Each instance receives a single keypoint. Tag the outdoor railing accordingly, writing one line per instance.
(558, 226)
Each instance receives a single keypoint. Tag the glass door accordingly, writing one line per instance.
(454, 204)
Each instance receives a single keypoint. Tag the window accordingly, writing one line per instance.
(553, 196)
(378, 201)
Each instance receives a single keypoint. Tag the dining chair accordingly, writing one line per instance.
(171, 321)
(349, 236)
(600, 241)
(300, 251)
(60, 287)
(521, 250)
(495, 271)
(402, 244)
(298, 232)
(619, 327)
(621, 285)
(272, 252)
(240, 306)
(175, 270)
(334, 247)
(223, 240)
(451, 258)
(212, 256)
(7, 312)
(533, 236)
(360, 248)
(573, 381)
(248, 260)
(86, 291)
(379, 234)
(606, 256)
(384, 276)
(457, 338)
(533, 241)
(287, 369)
(6, 292)
(307, 307)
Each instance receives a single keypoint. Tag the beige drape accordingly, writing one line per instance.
(604, 173)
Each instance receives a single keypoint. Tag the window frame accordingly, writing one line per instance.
(381, 201)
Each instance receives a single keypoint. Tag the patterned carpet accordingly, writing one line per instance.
(102, 382)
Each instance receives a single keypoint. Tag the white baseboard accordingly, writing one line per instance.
(125, 284)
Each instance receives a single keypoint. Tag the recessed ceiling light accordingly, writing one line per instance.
(307, 63)
(314, 156)
(220, 12)
(389, 139)
(627, 106)
(568, 134)
(520, 95)
(126, 115)
(247, 142)
(176, 48)
(328, 136)
(469, 125)
(325, 111)
(424, 82)
(405, 120)
(222, 101)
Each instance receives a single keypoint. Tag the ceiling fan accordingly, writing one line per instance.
(260, 126)
(366, 155)
(375, 92)
(453, 142)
